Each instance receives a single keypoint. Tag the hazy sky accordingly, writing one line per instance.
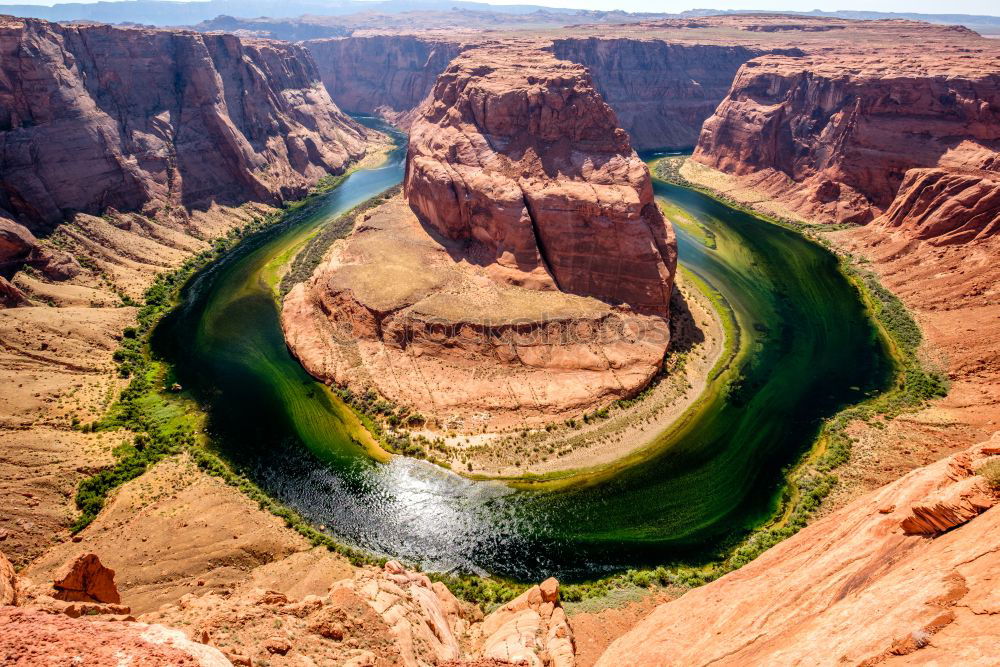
(924, 6)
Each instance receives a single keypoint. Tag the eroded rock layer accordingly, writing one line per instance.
(840, 141)
(94, 117)
(385, 74)
(865, 583)
(518, 155)
(527, 275)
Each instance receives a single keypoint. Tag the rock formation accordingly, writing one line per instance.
(836, 138)
(388, 616)
(856, 582)
(662, 92)
(531, 629)
(94, 117)
(529, 277)
(517, 154)
(84, 579)
(388, 75)
(8, 582)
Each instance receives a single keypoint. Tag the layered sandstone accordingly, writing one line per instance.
(517, 155)
(388, 75)
(835, 138)
(662, 92)
(94, 117)
(528, 276)
(856, 582)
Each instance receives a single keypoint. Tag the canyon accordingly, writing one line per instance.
(111, 174)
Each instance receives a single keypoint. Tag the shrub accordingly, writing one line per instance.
(991, 471)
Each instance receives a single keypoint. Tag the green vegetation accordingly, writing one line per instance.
(991, 471)
(308, 258)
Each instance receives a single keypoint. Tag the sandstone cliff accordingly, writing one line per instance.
(836, 140)
(388, 75)
(661, 92)
(517, 154)
(877, 581)
(94, 117)
(528, 278)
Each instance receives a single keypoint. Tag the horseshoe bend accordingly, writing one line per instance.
(525, 273)
(468, 335)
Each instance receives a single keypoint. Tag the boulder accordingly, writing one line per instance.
(85, 579)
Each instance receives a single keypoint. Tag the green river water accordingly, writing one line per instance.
(806, 348)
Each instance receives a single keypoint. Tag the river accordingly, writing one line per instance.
(806, 349)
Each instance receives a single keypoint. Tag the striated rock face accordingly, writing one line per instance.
(517, 154)
(857, 582)
(526, 278)
(93, 117)
(947, 206)
(835, 139)
(385, 74)
(661, 92)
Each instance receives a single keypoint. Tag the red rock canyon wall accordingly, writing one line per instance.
(846, 141)
(94, 117)
(385, 74)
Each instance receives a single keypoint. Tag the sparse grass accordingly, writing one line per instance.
(310, 256)
(991, 471)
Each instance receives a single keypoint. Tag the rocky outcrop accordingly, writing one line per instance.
(527, 276)
(532, 629)
(388, 75)
(94, 117)
(835, 138)
(19, 247)
(661, 92)
(386, 616)
(856, 581)
(947, 206)
(8, 582)
(84, 579)
(31, 637)
(517, 154)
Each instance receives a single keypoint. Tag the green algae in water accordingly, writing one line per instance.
(805, 349)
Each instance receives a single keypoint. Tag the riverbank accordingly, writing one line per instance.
(613, 433)
(863, 443)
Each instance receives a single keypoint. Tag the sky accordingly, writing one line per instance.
(989, 7)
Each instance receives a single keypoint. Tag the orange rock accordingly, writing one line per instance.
(531, 629)
(952, 506)
(84, 579)
(852, 588)
(8, 582)
(33, 638)
(516, 152)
